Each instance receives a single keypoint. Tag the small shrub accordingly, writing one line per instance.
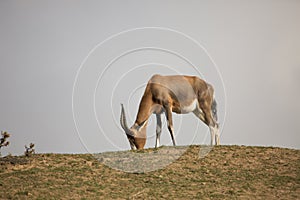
(29, 150)
(3, 139)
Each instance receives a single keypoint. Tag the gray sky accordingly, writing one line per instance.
(255, 45)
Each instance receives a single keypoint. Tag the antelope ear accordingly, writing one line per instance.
(139, 127)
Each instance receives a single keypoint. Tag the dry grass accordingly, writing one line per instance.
(227, 172)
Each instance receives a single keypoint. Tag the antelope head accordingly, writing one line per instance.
(136, 134)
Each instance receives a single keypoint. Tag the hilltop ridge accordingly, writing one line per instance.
(226, 172)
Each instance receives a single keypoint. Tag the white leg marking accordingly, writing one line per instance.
(212, 135)
(157, 144)
(158, 130)
(217, 131)
(215, 134)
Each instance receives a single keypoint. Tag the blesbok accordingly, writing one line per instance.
(167, 94)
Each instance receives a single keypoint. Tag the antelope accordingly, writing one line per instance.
(166, 94)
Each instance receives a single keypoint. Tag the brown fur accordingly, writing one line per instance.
(172, 94)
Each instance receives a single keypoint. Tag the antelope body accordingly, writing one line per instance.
(167, 94)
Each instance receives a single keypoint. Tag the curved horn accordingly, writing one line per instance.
(123, 119)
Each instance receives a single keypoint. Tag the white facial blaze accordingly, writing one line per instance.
(133, 147)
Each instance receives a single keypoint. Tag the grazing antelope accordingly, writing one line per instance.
(167, 94)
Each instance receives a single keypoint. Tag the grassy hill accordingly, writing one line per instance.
(227, 172)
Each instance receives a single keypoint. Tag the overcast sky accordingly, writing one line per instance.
(249, 51)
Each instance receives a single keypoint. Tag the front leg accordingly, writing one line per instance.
(170, 122)
(158, 130)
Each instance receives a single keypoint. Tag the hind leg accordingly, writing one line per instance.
(203, 112)
(201, 115)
